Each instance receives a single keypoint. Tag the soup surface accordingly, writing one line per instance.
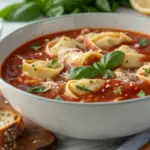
(86, 65)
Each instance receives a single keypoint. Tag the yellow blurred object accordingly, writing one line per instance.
(142, 6)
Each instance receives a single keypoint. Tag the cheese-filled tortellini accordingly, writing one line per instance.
(143, 73)
(54, 46)
(41, 69)
(132, 58)
(106, 40)
(75, 88)
(89, 58)
(79, 58)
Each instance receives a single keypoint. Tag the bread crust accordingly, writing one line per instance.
(11, 131)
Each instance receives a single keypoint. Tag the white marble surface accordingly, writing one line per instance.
(65, 143)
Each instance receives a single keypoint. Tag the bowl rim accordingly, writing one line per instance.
(1, 27)
(134, 100)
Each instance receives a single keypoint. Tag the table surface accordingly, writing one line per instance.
(65, 143)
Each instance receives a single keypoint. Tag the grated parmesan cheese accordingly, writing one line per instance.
(103, 90)
(108, 85)
(50, 84)
(137, 45)
(69, 55)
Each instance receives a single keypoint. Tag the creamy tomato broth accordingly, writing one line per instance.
(86, 65)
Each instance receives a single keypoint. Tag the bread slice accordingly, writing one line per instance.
(9, 146)
(11, 126)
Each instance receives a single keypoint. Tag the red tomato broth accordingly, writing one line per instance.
(12, 70)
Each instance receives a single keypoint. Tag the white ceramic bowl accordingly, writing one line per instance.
(86, 121)
(0, 27)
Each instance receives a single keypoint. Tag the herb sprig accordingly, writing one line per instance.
(83, 88)
(32, 9)
(38, 89)
(143, 42)
(102, 68)
(141, 94)
(53, 63)
(58, 98)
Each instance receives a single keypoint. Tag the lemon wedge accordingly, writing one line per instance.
(142, 6)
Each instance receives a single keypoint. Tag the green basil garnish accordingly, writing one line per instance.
(55, 11)
(102, 68)
(99, 67)
(141, 94)
(147, 71)
(83, 88)
(143, 42)
(38, 89)
(58, 98)
(53, 63)
(35, 46)
(103, 5)
(4, 13)
(25, 12)
(112, 60)
(118, 90)
(83, 72)
(108, 74)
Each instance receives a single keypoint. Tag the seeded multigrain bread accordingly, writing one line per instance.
(9, 146)
(11, 126)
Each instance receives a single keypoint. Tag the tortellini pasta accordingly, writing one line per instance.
(89, 57)
(41, 69)
(79, 59)
(106, 40)
(143, 73)
(75, 88)
(56, 45)
(132, 58)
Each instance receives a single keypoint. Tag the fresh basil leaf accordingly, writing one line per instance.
(114, 5)
(8, 9)
(99, 67)
(103, 5)
(83, 72)
(41, 5)
(58, 98)
(143, 42)
(125, 3)
(55, 11)
(146, 71)
(70, 5)
(90, 9)
(83, 88)
(29, 1)
(118, 90)
(53, 63)
(112, 60)
(108, 74)
(26, 12)
(48, 4)
(75, 11)
(38, 89)
(35, 46)
(141, 94)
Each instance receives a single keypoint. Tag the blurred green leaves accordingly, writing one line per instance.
(32, 9)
